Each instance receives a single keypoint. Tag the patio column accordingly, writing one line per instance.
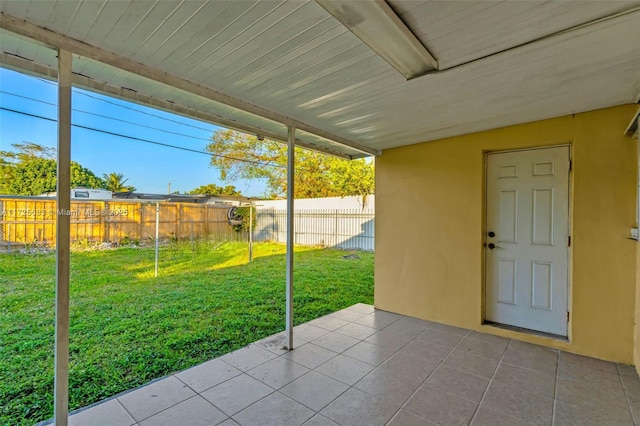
(63, 207)
(291, 144)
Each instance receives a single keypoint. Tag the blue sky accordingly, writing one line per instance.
(148, 167)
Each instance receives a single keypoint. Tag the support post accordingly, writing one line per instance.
(63, 241)
(250, 232)
(291, 144)
(157, 236)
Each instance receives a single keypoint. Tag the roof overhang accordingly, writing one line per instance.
(95, 61)
(263, 66)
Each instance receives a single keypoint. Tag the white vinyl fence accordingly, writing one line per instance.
(350, 229)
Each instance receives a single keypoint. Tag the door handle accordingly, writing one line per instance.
(492, 246)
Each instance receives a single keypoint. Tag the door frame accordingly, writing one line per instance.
(483, 238)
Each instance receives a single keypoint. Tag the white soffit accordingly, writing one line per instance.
(37, 59)
(295, 59)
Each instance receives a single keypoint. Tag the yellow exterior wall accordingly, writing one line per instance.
(637, 334)
(430, 227)
(637, 329)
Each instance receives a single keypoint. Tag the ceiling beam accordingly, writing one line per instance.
(60, 41)
(379, 27)
(24, 65)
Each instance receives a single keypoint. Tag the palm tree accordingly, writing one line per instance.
(115, 182)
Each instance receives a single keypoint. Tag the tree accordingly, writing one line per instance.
(24, 151)
(213, 189)
(28, 150)
(115, 182)
(240, 156)
(6, 175)
(31, 170)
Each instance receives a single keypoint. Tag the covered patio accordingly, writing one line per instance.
(432, 89)
(363, 366)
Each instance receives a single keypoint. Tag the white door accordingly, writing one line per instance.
(527, 239)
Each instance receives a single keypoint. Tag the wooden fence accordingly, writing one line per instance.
(32, 220)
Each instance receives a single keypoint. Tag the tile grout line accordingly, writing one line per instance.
(530, 369)
(164, 409)
(626, 395)
(555, 391)
(431, 373)
(484, 394)
(349, 387)
(273, 390)
(250, 405)
(255, 366)
(324, 406)
(377, 331)
(127, 411)
(211, 387)
(374, 366)
(171, 406)
(338, 380)
(307, 372)
(316, 412)
(225, 381)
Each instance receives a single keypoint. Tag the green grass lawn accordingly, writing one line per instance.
(128, 327)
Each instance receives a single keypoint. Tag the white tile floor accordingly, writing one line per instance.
(361, 366)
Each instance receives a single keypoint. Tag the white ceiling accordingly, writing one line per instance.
(501, 62)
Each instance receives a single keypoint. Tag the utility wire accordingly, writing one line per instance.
(259, 163)
(79, 92)
(108, 117)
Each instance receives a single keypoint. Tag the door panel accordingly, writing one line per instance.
(508, 220)
(527, 258)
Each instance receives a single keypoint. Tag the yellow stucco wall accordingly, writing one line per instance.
(430, 226)
(637, 330)
(637, 336)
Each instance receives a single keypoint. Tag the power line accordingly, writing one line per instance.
(127, 107)
(107, 117)
(260, 163)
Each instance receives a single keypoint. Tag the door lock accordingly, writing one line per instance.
(491, 234)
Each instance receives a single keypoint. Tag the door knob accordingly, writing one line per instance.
(491, 246)
(492, 234)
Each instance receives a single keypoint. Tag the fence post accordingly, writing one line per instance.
(178, 220)
(206, 220)
(335, 230)
(141, 218)
(274, 225)
(104, 224)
